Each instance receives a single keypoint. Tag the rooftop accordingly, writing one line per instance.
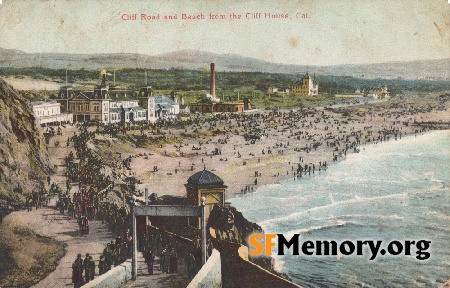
(130, 109)
(37, 103)
(159, 99)
(206, 178)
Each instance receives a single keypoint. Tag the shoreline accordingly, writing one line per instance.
(236, 175)
(284, 179)
(292, 138)
(279, 266)
(314, 135)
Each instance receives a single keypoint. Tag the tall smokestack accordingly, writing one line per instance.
(213, 82)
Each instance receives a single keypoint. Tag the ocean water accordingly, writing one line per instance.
(397, 190)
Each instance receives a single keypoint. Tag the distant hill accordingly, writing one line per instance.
(193, 59)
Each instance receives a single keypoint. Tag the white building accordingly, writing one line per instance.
(49, 112)
(123, 103)
(126, 111)
(275, 90)
(159, 106)
(378, 93)
(165, 107)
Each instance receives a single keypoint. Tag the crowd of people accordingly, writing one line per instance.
(88, 204)
(170, 247)
(336, 131)
(37, 199)
(114, 253)
(308, 130)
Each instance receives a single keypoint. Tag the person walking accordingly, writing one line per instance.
(102, 267)
(149, 259)
(191, 264)
(165, 258)
(87, 277)
(107, 253)
(173, 261)
(91, 268)
(77, 272)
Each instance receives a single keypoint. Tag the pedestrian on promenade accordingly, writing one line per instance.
(86, 266)
(150, 260)
(102, 267)
(173, 261)
(77, 272)
(91, 268)
(165, 259)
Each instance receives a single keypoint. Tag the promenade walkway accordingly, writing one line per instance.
(158, 279)
(48, 222)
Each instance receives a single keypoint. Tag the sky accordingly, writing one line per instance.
(334, 32)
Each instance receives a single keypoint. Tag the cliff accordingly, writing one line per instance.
(231, 230)
(24, 161)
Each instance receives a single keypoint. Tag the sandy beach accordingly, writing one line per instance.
(277, 143)
(275, 146)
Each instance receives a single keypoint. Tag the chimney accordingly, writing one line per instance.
(213, 82)
(247, 105)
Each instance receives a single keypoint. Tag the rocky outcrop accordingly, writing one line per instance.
(23, 157)
(231, 227)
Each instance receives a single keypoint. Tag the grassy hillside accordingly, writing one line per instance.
(227, 82)
(26, 257)
(230, 86)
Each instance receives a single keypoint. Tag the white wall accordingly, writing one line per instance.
(116, 277)
(211, 273)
